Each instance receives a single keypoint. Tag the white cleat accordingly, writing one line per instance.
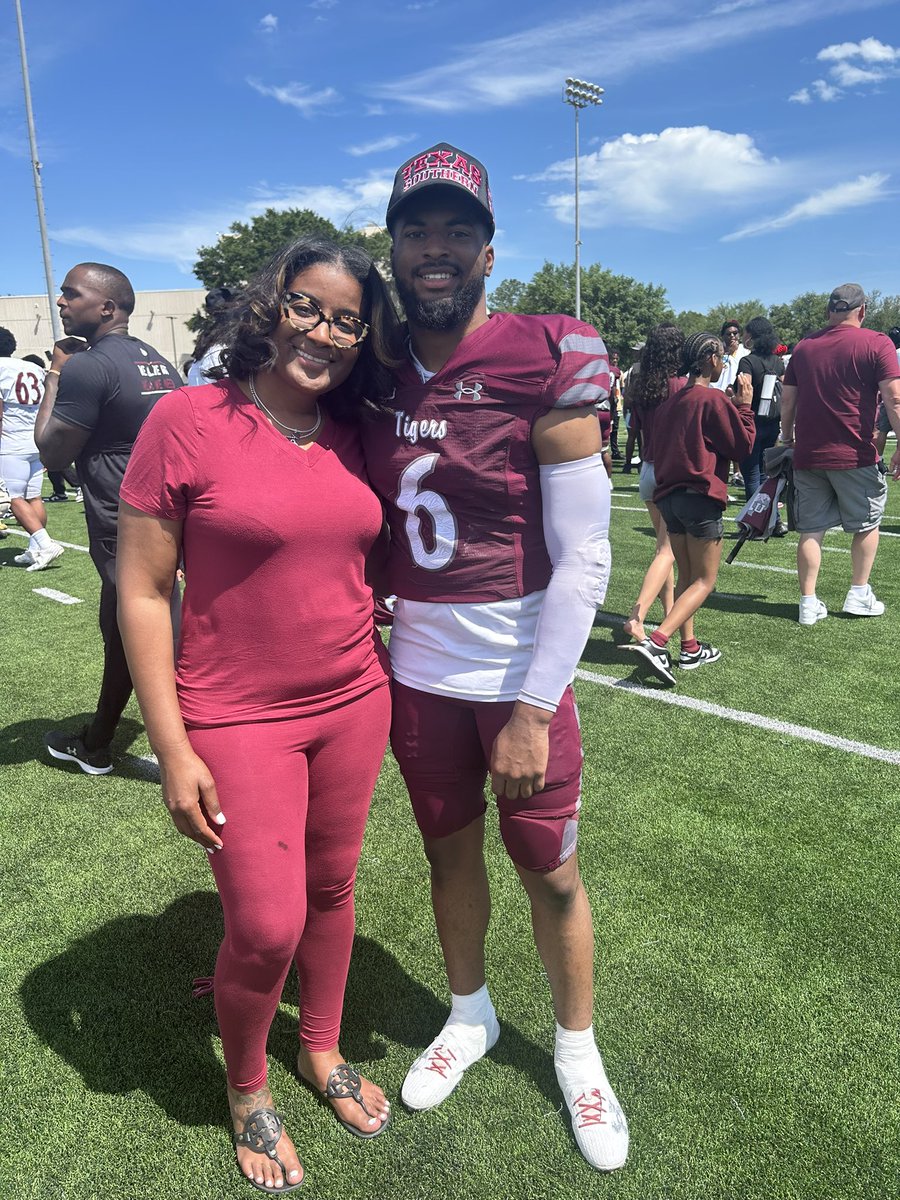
(43, 558)
(598, 1122)
(441, 1066)
(25, 559)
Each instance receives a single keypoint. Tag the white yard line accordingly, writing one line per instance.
(754, 720)
(68, 545)
(59, 597)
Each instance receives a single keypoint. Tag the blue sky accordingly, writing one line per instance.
(745, 148)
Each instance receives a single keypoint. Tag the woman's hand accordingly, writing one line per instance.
(743, 391)
(189, 793)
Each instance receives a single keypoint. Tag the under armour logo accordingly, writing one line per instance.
(473, 390)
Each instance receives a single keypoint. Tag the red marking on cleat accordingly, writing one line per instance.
(441, 1060)
(590, 1111)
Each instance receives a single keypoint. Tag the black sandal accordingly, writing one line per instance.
(262, 1133)
(343, 1083)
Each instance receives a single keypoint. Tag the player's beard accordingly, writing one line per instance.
(444, 312)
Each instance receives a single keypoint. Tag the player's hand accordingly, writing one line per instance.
(64, 349)
(743, 391)
(520, 752)
(189, 793)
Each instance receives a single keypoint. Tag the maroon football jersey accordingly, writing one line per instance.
(454, 464)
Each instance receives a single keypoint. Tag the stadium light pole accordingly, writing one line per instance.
(579, 94)
(38, 188)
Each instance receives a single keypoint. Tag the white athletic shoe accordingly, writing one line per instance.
(598, 1122)
(43, 558)
(868, 606)
(440, 1066)
(25, 559)
(811, 611)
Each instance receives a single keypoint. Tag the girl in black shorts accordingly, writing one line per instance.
(698, 432)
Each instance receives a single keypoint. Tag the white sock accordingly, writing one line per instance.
(576, 1057)
(860, 589)
(40, 540)
(808, 599)
(474, 1009)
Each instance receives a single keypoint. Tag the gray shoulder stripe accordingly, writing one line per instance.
(581, 393)
(581, 344)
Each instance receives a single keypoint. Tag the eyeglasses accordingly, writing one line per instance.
(303, 313)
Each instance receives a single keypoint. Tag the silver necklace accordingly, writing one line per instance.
(293, 435)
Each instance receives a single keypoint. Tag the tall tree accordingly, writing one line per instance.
(800, 316)
(245, 248)
(621, 308)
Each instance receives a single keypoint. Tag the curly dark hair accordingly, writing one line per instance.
(763, 335)
(697, 351)
(7, 344)
(258, 312)
(660, 361)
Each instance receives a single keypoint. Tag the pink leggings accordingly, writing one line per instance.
(296, 795)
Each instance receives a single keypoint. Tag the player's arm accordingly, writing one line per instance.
(575, 494)
(148, 554)
(59, 442)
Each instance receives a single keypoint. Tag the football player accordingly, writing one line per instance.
(498, 501)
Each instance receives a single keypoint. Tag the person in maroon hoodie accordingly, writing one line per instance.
(656, 381)
(697, 432)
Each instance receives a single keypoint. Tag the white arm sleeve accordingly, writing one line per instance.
(576, 498)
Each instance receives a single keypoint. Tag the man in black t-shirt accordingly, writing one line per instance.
(100, 386)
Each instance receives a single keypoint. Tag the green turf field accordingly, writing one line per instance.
(744, 884)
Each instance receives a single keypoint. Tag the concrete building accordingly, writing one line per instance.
(158, 318)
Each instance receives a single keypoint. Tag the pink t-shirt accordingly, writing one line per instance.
(837, 372)
(277, 618)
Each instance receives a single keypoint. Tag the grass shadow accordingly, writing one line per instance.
(117, 1006)
(23, 741)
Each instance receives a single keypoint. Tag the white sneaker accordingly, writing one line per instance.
(868, 606)
(812, 611)
(440, 1066)
(79, 497)
(43, 558)
(25, 559)
(598, 1122)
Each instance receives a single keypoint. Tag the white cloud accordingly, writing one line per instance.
(603, 43)
(297, 95)
(269, 23)
(869, 50)
(354, 202)
(866, 189)
(385, 143)
(801, 97)
(665, 180)
(879, 62)
(825, 91)
(323, 4)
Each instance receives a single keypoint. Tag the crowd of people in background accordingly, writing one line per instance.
(457, 464)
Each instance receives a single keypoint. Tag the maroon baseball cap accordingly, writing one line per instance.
(442, 166)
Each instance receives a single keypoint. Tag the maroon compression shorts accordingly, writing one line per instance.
(443, 747)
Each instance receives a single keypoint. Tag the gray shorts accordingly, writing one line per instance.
(647, 481)
(854, 498)
(882, 421)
